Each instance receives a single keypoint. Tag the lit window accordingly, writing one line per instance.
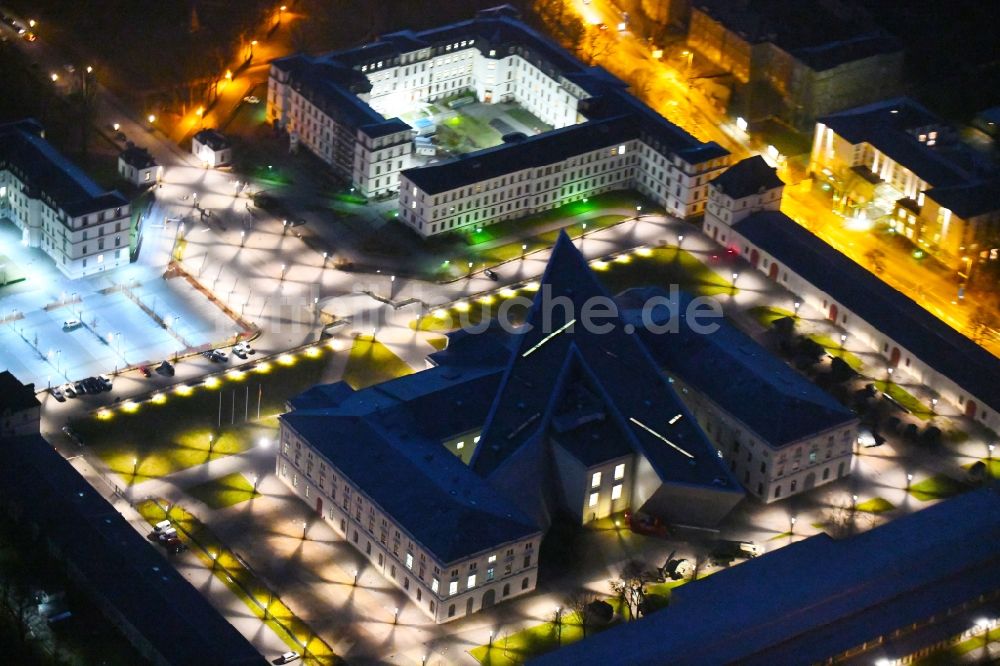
(434, 585)
(492, 559)
(593, 499)
(616, 491)
(460, 446)
(471, 582)
(619, 471)
(595, 480)
(621, 150)
(409, 560)
(453, 587)
(475, 440)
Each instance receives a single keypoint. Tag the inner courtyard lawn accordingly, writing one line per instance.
(370, 362)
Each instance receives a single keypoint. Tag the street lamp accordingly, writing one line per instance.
(909, 480)
(54, 77)
(736, 276)
(135, 466)
(243, 238)
(151, 118)
(524, 250)
(797, 305)
(395, 615)
(843, 339)
(680, 239)
(355, 578)
(211, 443)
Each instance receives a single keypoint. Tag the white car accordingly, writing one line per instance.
(57, 393)
(71, 324)
(69, 390)
(252, 99)
(287, 658)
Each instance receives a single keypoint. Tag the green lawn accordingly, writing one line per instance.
(439, 343)
(938, 486)
(250, 590)
(475, 131)
(472, 313)
(875, 505)
(663, 267)
(767, 315)
(171, 431)
(371, 362)
(906, 399)
(225, 491)
(833, 349)
(517, 648)
(527, 118)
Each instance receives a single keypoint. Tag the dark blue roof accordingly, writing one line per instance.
(130, 574)
(819, 597)
(889, 126)
(732, 370)
(46, 171)
(212, 138)
(387, 439)
(559, 365)
(750, 176)
(935, 343)
(969, 199)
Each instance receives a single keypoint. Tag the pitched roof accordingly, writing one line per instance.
(890, 127)
(733, 371)
(969, 200)
(818, 598)
(932, 341)
(14, 395)
(212, 138)
(620, 390)
(131, 574)
(750, 176)
(387, 439)
(137, 157)
(46, 171)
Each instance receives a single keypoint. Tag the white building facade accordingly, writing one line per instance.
(58, 208)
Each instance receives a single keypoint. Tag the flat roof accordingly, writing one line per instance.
(899, 318)
(133, 577)
(819, 597)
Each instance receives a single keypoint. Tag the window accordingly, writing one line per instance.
(451, 610)
(409, 560)
(471, 582)
(453, 587)
(434, 585)
(616, 492)
(492, 559)
(489, 573)
(527, 561)
(524, 584)
(593, 499)
(595, 480)
(619, 471)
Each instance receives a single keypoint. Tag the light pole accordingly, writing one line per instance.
(843, 340)
(395, 615)
(524, 250)
(284, 267)
(256, 480)
(736, 276)
(305, 526)
(470, 270)
(211, 444)
(797, 305)
(355, 578)
(680, 239)
(909, 480)
(135, 467)
(281, 10)
(243, 238)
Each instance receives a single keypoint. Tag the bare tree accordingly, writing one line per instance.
(983, 322)
(875, 258)
(580, 603)
(630, 588)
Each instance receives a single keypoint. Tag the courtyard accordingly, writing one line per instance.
(125, 317)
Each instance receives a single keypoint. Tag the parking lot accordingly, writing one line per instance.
(125, 317)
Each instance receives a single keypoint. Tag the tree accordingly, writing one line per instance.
(580, 603)
(630, 588)
(875, 257)
(594, 46)
(573, 32)
(984, 323)
(642, 83)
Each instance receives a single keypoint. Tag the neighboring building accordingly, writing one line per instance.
(735, 388)
(143, 595)
(342, 107)
(212, 148)
(796, 60)
(988, 121)
(20, 410)
(908, 336)
(138, 167)
(84, 228)
(888, 596)
(443, 477)
(896, 159)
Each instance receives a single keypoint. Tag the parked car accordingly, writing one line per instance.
(162, 526)
(72, 324)
(106, 382)
(79, 388)
(57, 394)
(252, 99)
(491, 274)
(219, 355)
(678, 569)
(174, 545)
(239, 352)
(144, 369)
(72, 434)
(69, 390)
(166, 369)
(165, 535)
(287, 658)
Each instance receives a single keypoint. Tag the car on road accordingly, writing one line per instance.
(243, 349)
(166, 369)
(69, 391)
(72, 324)
(92, 386)
(144, 369)
(57, 393)
(491, 274)
(106, 382)
(287, 658)
(252, 99)
(219, 355)
(73, 435)
(602, 26)
(79, 388)
(30, 36)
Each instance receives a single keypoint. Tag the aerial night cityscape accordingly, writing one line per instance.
(551, 332)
